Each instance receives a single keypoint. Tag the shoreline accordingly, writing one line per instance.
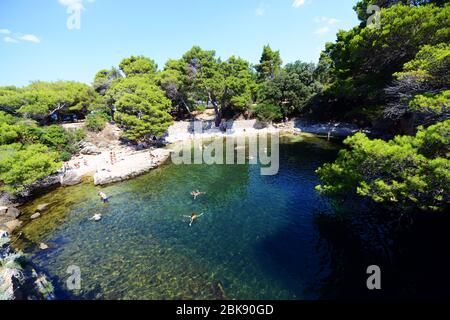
(117, 162)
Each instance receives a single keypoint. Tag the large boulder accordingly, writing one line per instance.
(3, 210)
(13, 213)
(70, 178)
(90, 149)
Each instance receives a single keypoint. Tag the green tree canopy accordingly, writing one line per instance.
(291, 88)
(227, 85)
(175, 82)
(269, 65)
(40, 100)
(365, 59)
(21, 166)
(104, 78)
(138, 65)
(142, 109)
(404, 173)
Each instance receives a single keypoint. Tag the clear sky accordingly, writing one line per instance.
(36, 44)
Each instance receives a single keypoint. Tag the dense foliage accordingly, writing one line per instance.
(29, 152)
(400, 71)
(404, 173)
(364, 60)
(267, 112)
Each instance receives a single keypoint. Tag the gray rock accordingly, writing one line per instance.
(3, 210)
(35, 216)
(90, 149)
(13, 213)
(70, 178)
(42, 207)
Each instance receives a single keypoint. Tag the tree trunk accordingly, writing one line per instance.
(217, 112)
(187, 107)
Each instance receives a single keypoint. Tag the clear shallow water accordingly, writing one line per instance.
(261, 237)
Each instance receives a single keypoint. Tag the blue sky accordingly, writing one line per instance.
(36, 44)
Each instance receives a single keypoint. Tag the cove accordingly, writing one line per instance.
(261, 237)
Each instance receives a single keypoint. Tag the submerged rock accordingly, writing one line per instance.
(42, 207)
(43, 246)
(35, 216)
(18, 279)
(218, 291)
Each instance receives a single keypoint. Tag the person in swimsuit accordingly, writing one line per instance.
(197, 193)
(103, 197)
(193, 218)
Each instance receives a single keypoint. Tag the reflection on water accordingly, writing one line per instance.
(261, 237)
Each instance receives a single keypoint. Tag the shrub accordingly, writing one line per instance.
(406, 173)
(267, 112)
(96, 121)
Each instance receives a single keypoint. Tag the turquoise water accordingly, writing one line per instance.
(261, 237)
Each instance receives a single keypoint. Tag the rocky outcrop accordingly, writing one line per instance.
(133, 166)
(89, 149)
(18, 279)
(70, 178)
(39, 187)
(334, 129)
(8, 219)
(185, 130)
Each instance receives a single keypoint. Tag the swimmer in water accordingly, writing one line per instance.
(193, 217)
(103, 197)
(96, 217)
(197, 193)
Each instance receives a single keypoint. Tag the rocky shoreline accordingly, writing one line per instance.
(19, 280)
(109, 163)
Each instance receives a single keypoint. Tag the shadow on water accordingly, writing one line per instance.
(411, 254)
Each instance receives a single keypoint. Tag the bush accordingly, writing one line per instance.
(96, 121)
(54, 137)
(406, 173)
(200, 107)
(267, 112)
(25, 165)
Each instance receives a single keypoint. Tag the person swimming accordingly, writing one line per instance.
(193, 218)
(103, 197)
(96, 217)
(197, 193)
